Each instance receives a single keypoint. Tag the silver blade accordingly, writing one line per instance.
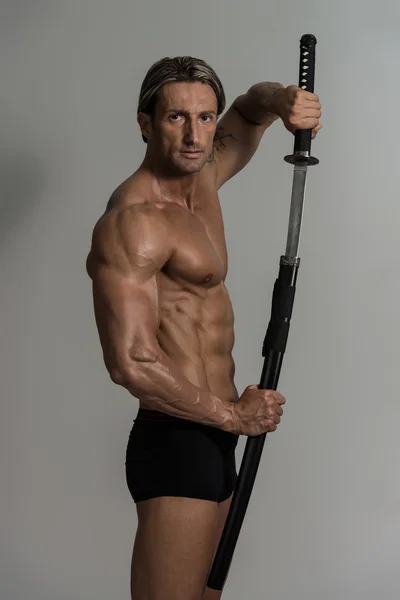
(296, 209)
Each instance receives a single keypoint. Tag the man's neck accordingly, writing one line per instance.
(171, 187)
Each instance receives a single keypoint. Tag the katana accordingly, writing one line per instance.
(278, 328)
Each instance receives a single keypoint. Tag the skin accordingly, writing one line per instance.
(158, 262)
(158, 259)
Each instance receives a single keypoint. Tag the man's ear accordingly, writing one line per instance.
(145, 124)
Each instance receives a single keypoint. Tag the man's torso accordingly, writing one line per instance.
(195, 312)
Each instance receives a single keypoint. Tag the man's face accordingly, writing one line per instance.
(183, 127)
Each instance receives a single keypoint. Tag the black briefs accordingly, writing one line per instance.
(170, 456)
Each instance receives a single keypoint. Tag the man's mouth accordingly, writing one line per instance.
(192, 153)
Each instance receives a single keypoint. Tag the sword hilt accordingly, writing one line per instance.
(302, 143)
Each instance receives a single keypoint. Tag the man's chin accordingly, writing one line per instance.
(192, 165)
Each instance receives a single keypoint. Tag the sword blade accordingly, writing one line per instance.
(296, 209)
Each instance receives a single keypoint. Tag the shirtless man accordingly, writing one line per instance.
(158, 262)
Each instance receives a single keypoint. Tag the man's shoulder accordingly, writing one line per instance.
(133, 191)
(129, 201)
(134, 204)
(126, 230)
(131, 217)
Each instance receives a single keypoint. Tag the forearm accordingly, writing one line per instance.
(162, 386)
(259, 105)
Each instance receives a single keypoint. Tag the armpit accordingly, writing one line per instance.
(220, 135)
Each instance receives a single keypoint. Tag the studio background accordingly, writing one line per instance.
(324, 517)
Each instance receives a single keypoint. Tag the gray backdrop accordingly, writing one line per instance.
(324, 517)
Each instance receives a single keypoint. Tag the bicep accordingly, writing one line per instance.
(127, 315)
(129, 250)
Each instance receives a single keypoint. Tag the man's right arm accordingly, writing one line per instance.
(127, 253)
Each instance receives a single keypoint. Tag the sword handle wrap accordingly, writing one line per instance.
(308, 42)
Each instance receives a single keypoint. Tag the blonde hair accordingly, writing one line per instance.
(180, 68)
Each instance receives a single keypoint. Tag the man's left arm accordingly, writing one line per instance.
(241, 128)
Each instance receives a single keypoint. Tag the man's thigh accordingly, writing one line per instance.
(173, 549)
(223, 510)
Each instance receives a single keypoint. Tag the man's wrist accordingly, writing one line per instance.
(261, 102)
(277, 100)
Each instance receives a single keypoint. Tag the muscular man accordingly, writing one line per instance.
(158, 262)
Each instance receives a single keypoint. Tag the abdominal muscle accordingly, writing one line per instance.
(196, 332)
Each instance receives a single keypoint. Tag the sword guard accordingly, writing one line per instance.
(301, 157)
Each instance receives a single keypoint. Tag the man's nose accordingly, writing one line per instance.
(191, 132)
